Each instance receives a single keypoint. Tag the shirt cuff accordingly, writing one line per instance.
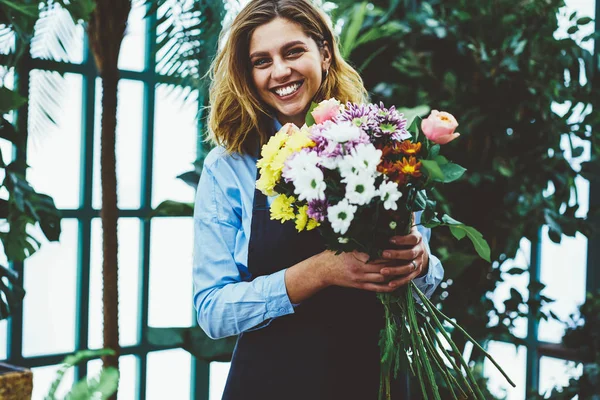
(275, 292)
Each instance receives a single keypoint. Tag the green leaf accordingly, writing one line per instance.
(411, 115)
(10, 100)
(420, 201)
(584, 20)
(170, 208)
(451, 172)
(516, 271)
(434, 151)
(572, 29)
(195, 341)
(101, 387)
(458, 233)
(433, 170)
(413, 128)
(71, 361)
(350, 33)
(310, 120)
(481, 246)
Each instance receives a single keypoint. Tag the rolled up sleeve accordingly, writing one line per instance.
(226, 300)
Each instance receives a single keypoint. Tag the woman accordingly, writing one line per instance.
(308, 321)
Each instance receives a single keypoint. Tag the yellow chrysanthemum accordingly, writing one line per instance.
(271, 148)
(301, 218)
(281, 208)
(299, 140)
(312, 224)
(267, 181)
(279, 159)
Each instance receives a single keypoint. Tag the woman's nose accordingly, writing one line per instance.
(281, 69)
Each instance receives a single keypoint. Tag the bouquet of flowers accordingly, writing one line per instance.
(357, 173)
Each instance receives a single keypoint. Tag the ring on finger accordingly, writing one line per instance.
(414, 265)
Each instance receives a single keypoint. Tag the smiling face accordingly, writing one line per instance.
(287, 68)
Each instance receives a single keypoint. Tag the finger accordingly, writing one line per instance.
(373, 278)
(396, 283)
(397, 271)
(413, 238)
(404, 254)
(379, 288)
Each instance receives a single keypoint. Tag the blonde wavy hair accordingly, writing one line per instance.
(238, 120)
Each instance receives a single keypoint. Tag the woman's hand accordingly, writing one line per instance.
(410, 261)
(352, 270)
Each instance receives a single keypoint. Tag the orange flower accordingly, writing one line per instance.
(410, 167)
(410, 148)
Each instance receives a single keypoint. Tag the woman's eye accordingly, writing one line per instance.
(260, 62)
(295, 52)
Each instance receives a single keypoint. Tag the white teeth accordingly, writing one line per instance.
(287, 90)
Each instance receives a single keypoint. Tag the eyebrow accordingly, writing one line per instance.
(285, 47)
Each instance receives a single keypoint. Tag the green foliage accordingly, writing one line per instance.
(195, 341)
(100, 387)
(498, 69)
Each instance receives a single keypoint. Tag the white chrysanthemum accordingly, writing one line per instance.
(309, 184)
(340, 216)
(389, 193)
(367, 156)
(342, 132)
(363, 159)
(300, 162)
(360, 189)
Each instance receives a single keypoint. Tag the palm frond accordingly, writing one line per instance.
(56, 35)
(187, 39)
(46, 91)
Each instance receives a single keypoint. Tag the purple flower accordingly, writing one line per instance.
(317, 209)
(390, 123)
(362, 115)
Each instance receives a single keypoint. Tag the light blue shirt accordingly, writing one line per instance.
(227, 300)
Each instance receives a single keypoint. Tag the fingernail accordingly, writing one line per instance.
(393, 241)
(385, 271)
(392, 284)
(386, 253)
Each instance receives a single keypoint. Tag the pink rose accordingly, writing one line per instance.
(326, 110)
(439, 127)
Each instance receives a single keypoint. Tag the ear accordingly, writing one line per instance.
(325, 56)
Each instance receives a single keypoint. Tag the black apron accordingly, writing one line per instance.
(327, 350)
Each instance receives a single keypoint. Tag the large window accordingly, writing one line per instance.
(156, 141)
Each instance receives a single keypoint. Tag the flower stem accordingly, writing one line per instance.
(450, 359)
(430, 307)
(477, 345)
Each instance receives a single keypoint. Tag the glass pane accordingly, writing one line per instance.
(218, 378)
(128, 145)
(170, 302)
(518, 282)
(127, 375)
(133, 47)
(172, 366)
(564, 273)
(3, 339)
(54, 149)
(512, 362)
(49, 306)
(57, 37)
(174, 145)
(43, 378)
(556, 373)
(129, 263)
